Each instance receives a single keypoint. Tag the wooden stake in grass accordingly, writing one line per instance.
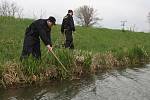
(59, 60)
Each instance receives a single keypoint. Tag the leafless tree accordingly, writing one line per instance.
(42, 14)
(4, 8)
(37, 14)
(20, 13)
(8, 8)
(86, 16)
(14, 8)
(34, 16)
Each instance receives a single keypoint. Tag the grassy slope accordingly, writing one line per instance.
(107, 39)
(91, 39)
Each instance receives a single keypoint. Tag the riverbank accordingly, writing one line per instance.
(77, 63)
(95, 49)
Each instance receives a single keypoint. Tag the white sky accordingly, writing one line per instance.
(112, 11)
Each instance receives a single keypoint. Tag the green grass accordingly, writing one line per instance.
(91, 39)
(99, 45)
(107, 39)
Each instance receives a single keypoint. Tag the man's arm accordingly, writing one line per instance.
(72, 23)
(45, 37)
(62, 27)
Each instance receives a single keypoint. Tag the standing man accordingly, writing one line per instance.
(40, 28)
(68, 27)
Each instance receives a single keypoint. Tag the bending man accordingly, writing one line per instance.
(40, 28)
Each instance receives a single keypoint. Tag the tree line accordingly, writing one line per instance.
(8, 8)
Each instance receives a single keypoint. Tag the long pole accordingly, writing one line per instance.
(59, 61)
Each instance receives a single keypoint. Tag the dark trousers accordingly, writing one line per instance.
(69, 39)
(33, 49)
(30, 46)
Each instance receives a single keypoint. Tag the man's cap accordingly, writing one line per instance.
(70, 11)
(52, 19)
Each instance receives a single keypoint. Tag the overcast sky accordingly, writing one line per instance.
(112, 11)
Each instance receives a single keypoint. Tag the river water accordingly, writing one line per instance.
(124, 84)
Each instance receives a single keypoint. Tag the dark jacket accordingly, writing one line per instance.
(68, 23)
(38, 29)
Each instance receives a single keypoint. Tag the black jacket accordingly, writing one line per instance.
(38, 29)
(68, 23)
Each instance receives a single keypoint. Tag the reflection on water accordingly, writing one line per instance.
(125, 84)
